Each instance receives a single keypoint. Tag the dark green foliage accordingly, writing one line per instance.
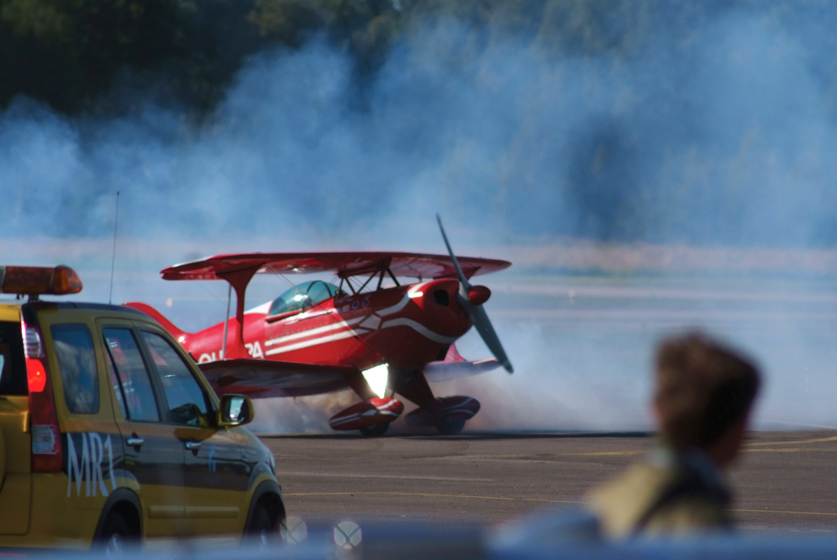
(70, 53)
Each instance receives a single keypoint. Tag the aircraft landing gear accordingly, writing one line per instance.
(446, 414)
(371, 417)
(374, 430)
(450, 426)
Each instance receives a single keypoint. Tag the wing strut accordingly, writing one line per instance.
(239, 279)
(226, 320)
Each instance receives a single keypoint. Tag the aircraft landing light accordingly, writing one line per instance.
(377, 378)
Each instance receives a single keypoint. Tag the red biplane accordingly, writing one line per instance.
(355, 333)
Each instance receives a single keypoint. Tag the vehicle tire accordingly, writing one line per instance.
(114, 537)
(263, 527)
(375, 430)
(2, 459)
(451, 426)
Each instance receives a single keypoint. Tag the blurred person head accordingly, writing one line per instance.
(704, 392)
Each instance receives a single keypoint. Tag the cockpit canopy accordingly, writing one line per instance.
(302, 296)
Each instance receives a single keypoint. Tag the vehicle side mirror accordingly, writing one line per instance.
(236, 410)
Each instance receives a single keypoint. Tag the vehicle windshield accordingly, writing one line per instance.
(302, 296)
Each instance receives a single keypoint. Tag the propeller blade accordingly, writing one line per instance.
(476, 312)
(464, 285)
(486, 330)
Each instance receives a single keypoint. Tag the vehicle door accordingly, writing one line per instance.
(92, 445)
(153, 455)
(216, 475)
(92, 442)
(15, 478)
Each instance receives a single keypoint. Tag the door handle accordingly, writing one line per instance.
(135, 441)
(193, 445)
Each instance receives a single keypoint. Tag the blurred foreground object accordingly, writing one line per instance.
(704, 393)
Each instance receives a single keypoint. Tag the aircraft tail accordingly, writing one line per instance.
(157, 316)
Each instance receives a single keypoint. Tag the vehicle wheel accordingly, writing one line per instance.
(2, 459)
(114, 537)
(262, 527)
(451, 426)
(375, 430)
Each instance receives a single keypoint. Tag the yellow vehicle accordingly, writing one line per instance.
(109, 433)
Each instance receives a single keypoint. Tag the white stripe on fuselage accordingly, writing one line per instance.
(313, 342)
(338, 324)
(419, 328)
(350, 332)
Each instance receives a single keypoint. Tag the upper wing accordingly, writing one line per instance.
(268, 378)
(416, 265)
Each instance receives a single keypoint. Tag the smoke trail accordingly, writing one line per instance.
(699, 141)
(716, 132)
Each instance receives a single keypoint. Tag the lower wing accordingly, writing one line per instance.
(268, 378)
(445, 371)
(455, 366)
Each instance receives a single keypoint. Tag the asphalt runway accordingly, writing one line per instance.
(581, 349)
(784, 481)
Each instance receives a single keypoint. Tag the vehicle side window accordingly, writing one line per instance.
(132, 378)
(187, 401)
(77, 362)
(117, 386)
(12, 367)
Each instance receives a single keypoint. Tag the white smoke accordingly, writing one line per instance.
(717, 133)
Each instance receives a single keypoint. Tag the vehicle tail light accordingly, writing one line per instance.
(32, 344)
(47, 451)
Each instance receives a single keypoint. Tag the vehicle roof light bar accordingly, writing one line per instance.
(37, 280)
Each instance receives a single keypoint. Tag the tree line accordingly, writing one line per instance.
(70, 53)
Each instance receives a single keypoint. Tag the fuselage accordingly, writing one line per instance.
(406, 327)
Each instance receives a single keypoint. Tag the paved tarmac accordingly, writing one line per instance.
(784, 481)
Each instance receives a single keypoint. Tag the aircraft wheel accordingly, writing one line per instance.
(375, 430)
(451, 426)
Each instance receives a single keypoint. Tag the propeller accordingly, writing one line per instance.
(467, 296)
